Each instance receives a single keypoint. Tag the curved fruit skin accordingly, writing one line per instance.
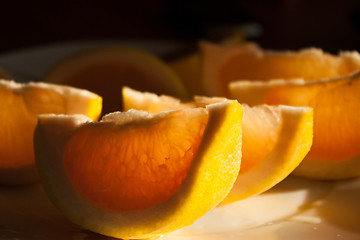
(20, 103)
(210, 177)
(222, 65)
(275, 138)
(106, 69)
(293, 144)
(335, 153)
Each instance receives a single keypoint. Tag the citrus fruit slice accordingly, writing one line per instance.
(20, 105)
(106, 69)
(335, 152)
(140, 175)
(275, 139)
(151, 102)
(223, 64)
(188, 67)
(188, 70)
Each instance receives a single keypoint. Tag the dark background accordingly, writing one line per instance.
(285, 24)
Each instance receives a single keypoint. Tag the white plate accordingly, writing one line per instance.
(294, 209)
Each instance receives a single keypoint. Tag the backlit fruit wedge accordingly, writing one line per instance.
(335, 153)
(151, 102)
(106, 69)
(224, 64)
(20, 103)
(275, 139)
(139, 175)
(188, 67)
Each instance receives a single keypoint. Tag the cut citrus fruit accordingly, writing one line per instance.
(150, 102)
(188, 68)
(335, 152)
(275, 139)
(275, 142)
(20, 105)
(136, 174)
(105, 70)
(224, 64)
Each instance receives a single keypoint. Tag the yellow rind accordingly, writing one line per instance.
(210, 178)
(295, 137)
(333, 110)
(298, 127)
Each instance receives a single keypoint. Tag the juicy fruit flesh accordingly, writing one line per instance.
(261, 127)
(15, 120)
(261, 124)
(20, 105)
(149, 165)
(223, 65)
(210, 177)
(280, 67)
(331, 102)
(275, 139)
(18, 116)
